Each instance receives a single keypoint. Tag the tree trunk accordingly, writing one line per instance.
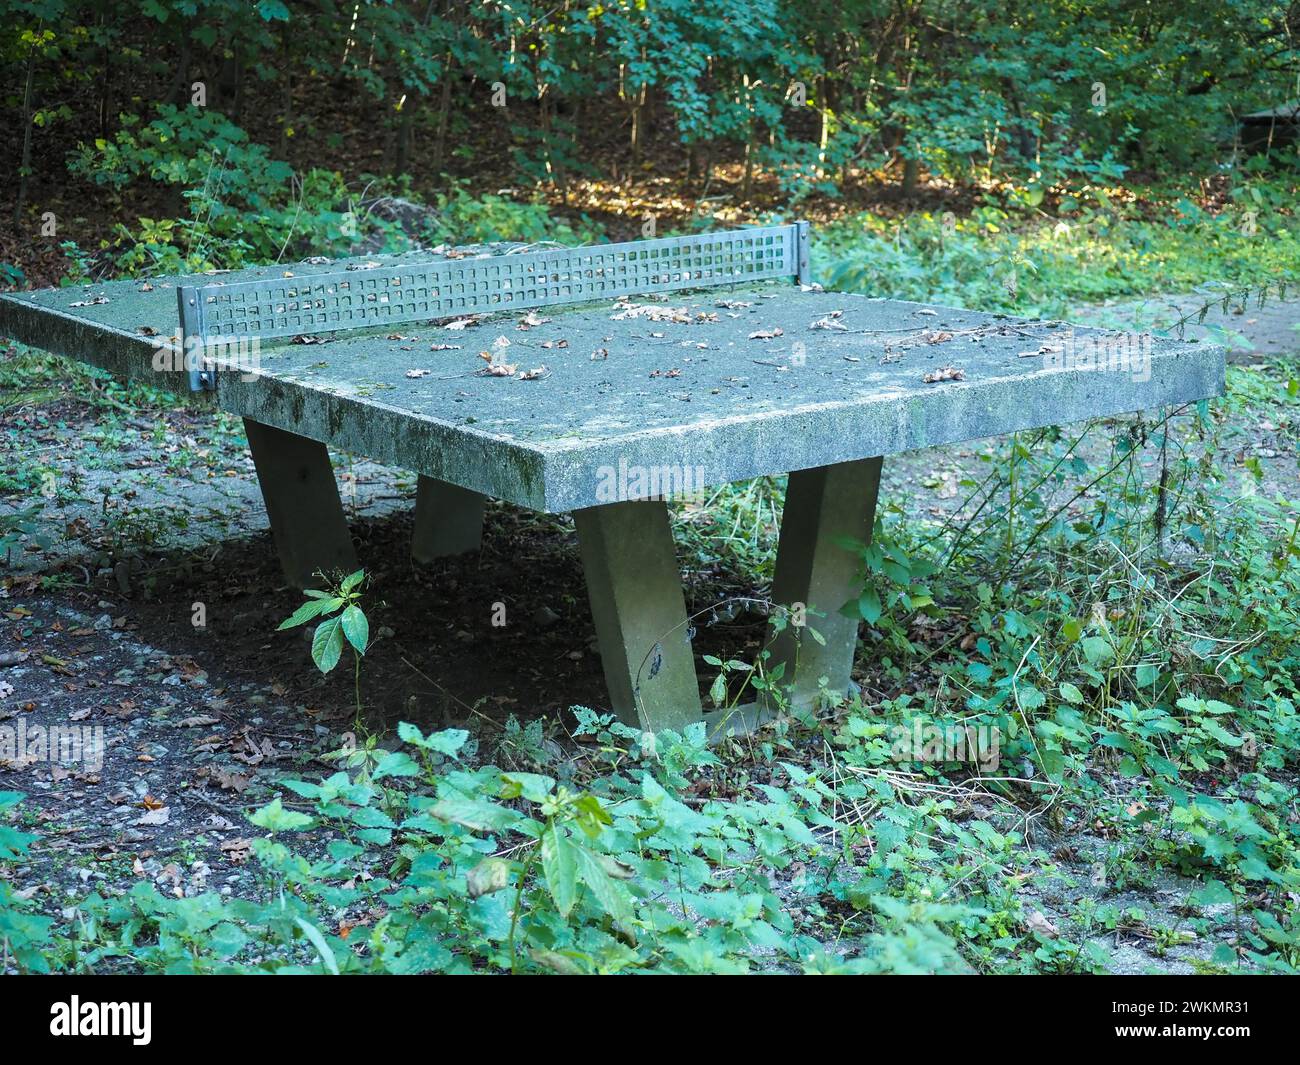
(25, 162)
(402, 155)
(638, 122)
(444, 112)
(105, 82)
(179, 93)
(911, 176)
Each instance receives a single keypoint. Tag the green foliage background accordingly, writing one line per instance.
(1040, 91)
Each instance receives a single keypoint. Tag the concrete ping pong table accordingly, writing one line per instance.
(608, 374)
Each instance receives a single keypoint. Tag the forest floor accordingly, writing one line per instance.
(97, 627)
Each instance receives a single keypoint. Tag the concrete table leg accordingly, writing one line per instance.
(822, 507)
(448, 520)
(302, 501)
(635, 589)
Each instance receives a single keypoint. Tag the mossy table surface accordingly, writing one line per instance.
(729, 383)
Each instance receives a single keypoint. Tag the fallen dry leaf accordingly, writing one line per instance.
(1036, 922)
(231, 781)
(654, 312)
(944, 373)
(237, 850)
(829, 321)
(531, 321)
(767, 334)
(491, 874)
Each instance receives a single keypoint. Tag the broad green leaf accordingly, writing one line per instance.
(396, 764)
(560, 866)
(475, 814)
(447, 742)
(322, 948)
(612, 896)
(275, 818)
(327, 644)
(303, 614)
(1030, 697)
(532, 786)
(869, 605)
(1097, 650)
(356, 628)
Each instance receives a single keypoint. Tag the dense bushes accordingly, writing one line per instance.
(1042, 91)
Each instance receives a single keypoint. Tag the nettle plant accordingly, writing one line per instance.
(427, 863)
(23, 934)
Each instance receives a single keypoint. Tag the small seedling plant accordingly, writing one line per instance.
(344, 624)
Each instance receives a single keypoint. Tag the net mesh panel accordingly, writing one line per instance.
(379, 296)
